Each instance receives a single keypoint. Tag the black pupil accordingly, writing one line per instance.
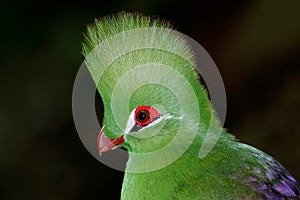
(143, 115)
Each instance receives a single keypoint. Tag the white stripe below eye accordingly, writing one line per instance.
(131, 122)
(153, 123)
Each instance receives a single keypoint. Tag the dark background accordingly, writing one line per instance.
(255, 44)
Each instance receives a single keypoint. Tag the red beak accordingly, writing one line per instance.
(105, 144)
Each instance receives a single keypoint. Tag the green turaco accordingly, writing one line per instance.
(156, 108)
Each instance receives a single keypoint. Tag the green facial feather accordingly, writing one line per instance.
(135, 60)
(114, 59)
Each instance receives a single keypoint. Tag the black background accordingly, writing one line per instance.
(255, 44)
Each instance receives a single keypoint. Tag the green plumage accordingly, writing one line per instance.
(155, 67)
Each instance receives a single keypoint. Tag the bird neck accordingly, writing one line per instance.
(161, 183)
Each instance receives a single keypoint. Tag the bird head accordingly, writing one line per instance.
(146, 78)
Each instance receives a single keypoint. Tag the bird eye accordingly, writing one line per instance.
(144, 115)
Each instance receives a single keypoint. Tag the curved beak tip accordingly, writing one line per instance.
(105, 144)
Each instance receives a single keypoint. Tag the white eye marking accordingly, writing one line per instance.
(168, 116)
(130, 122)
(153, 123)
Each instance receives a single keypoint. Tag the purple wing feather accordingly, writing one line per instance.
(275, 183)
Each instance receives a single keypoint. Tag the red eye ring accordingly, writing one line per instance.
(144, 115)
